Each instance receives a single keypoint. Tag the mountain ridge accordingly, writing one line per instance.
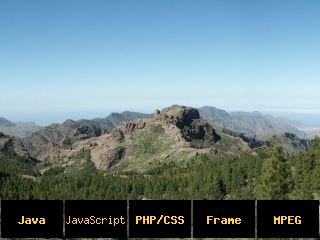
(6, 123)
(254, 124)
(135, 141)
(177, 133)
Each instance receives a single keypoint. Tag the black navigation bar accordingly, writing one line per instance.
(159, 219)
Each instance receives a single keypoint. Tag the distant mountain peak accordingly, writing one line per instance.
(6, 123)
(252, 124)
(69, 122)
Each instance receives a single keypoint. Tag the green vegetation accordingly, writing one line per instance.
(148, 148)
(276, 179)
(265, 175)
(148, 142)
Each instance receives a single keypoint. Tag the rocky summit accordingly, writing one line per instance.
(174, 133)
(179, 116)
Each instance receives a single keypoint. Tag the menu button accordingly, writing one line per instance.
(287, 220)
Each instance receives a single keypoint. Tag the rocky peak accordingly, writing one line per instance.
(180, 116)
(193, 129)
(69, 122)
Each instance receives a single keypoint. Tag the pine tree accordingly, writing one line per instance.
(276, 178)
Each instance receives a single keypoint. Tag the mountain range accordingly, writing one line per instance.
(174, 134)
(251, 124)
(136, 141)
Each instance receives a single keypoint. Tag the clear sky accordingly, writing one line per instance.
(73, 59)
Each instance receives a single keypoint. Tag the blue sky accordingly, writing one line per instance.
(82, 59)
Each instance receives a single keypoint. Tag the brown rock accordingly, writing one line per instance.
(130, 127)
(180, 116)
(156, 113)
(117, 135)
(109, 157)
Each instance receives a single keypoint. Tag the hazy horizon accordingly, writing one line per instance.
(311, 120)
(85, 59)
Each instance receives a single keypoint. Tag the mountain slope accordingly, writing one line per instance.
(251, 124)
(313, 133)
(114, 119)
(12, 147)
(136, 141)
(290, 142)
(50, 141)
(172, 135)
(6, 123)
(20, 129)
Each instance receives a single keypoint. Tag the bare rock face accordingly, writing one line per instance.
(194, 130)
(130, 127)
(85, 132)
(201, 130)
(108, 149)
(180, 116)
(108, 157)
(117, 135)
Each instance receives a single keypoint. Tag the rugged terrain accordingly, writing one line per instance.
(20, 129)
(252, 124)
(313, 133)
(5, 123)
(172, 134)
(135, 141)
(289, 141)
(175, 154)
(14, 147)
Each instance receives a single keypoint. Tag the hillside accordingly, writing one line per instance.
(136, 141)
(113, 120)
(252, 124)
(290, 142)
(49, 141)
(171, 135)
(20, 129)
(245, 176)
(176, 154)
(6, 123)
(313, 133)
(10, 146)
